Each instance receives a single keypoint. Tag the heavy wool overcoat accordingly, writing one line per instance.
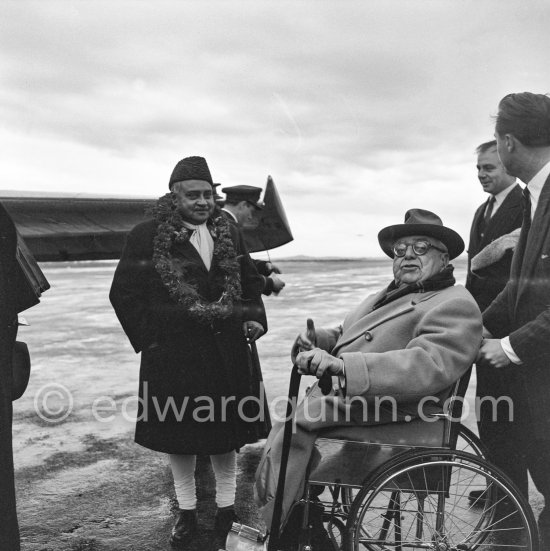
(414, 347)
(195, 378)
(522, 311)
(9, 531)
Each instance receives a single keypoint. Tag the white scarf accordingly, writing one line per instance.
(202, 241)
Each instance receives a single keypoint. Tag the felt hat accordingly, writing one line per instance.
(250, 194)
(190, 168)
(421, 222)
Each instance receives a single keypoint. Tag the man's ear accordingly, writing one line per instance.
(510, 142)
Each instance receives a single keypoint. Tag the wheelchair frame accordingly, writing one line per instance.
(416, 497)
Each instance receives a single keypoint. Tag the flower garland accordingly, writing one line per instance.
(173, 272)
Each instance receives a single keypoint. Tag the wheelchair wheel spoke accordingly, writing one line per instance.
(423, 502)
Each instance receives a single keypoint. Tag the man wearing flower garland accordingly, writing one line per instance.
(189, 297)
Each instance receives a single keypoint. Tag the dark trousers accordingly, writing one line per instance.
(498, 424)
(9, 530)
(535, 453)
(513, 444)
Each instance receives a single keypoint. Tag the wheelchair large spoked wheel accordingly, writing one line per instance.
(467, 441)
(420, 501)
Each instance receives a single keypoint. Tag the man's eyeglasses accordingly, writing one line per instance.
(420, 247)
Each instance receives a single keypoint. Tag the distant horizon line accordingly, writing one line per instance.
(295, 258)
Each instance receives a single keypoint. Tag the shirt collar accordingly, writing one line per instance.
(231, 214)
(501, 195)
(537, 181)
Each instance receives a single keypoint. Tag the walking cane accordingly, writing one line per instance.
(243, 538)
(293, 389)
(265, 428)
(325, 384)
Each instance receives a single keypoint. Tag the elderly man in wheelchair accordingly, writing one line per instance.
(372, 462)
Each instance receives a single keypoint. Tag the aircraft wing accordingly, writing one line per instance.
(60, 227)
(75, 228)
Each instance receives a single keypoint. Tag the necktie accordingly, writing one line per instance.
(487, 216)
(526, 208)
(525, 227)
(489, 209)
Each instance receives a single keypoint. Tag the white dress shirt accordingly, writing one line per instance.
(499, 198)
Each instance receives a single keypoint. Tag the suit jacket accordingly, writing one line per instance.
(490, 281)
(182, 359)
(522, 311)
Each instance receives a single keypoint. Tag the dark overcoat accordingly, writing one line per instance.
(485, 285)
(490, 281)
(261, 265)
(195, 378)
(9, 532)
(522, 311)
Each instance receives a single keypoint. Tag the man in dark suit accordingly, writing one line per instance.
(498, 216)
(189, 299)
(9, 531)
(517, 323)
(240, 205)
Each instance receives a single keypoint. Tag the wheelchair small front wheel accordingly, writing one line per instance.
(421, 501)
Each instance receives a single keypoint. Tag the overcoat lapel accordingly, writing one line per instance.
(382, 315)
(499, 222)
(376, 317)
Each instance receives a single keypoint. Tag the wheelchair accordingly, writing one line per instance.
(409, 487)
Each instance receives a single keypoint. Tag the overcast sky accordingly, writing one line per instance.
(359, 110)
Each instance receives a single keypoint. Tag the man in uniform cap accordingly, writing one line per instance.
(240, 205)
(189, 298)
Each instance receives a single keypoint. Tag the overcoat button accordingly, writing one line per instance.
(368, 336)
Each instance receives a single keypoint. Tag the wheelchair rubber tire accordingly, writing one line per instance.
(420, 499)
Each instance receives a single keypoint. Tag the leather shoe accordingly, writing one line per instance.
(185, 528)
(225, 517)
(292, 536)
(320, 540)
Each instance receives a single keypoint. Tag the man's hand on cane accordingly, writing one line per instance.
(311, 360)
